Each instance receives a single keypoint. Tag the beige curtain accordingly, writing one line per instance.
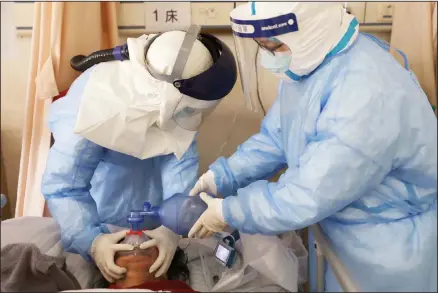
(60, 31)
(6, 211)
(414, 31)
(435, 40)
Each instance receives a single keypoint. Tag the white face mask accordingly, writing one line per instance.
(277, 63)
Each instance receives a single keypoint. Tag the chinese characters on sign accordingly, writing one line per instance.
(162, 16)
(171, 15)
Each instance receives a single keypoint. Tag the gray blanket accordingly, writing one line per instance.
(25, 269)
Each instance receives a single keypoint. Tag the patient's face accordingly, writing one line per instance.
(137, 265)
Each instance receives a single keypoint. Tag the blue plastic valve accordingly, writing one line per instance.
(146, 206)
(135, 220)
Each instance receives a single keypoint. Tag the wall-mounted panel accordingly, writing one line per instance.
(212, 14)
(130, 14)
(379, 12)
(23, 17)
(135, 18)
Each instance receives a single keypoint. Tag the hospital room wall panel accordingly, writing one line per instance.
(230, 122)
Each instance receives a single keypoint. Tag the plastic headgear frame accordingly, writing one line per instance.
(214, 83)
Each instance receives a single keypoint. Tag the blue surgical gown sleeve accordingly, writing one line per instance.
(260, 157)
(179, 176)
(337, 166)
(70, 166)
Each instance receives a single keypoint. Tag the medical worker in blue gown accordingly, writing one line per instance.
(125, 134)
(358, 138)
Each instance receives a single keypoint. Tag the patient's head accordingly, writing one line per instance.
(138, 263)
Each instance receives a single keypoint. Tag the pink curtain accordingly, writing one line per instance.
(414, 31)
(60, 31)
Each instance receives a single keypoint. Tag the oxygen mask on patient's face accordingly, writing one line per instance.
(137, 261)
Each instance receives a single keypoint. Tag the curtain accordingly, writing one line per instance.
(414, 31)
(6, 211)
(435, 39)
(61, 30)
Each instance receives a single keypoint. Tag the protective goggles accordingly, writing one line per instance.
(269, 45)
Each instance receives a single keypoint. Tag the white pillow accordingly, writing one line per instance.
(43, 232)
(46, 235)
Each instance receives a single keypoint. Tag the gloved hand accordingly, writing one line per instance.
(103, 250)
(166, 241)
(205, 183)
(211, 221)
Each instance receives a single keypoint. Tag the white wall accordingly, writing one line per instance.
(218, 128)
(15, 54)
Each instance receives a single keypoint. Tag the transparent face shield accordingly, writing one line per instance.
(253, 38)
(187, 112)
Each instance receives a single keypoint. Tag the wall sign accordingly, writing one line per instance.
(163, 16)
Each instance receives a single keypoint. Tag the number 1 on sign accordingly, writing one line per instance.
(156, 14)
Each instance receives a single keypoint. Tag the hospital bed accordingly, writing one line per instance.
(45, 234)
(321, 255)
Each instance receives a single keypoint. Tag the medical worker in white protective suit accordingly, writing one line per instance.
(125, 134)
(358, 138)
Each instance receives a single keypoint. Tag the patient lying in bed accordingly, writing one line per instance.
(194, 263)
(45, 234)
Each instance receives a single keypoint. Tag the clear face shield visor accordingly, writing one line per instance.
(252, 36)
(190, 113)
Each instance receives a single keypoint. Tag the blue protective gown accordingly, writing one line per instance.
(359, 140)
(87, 186)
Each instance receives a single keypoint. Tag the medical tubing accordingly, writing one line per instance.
(237, 112)
(82, 63)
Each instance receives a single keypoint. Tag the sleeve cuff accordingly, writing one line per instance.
(233, 213)
(222, 177)
(83, 241)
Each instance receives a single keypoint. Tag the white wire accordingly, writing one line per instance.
(221, 148)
